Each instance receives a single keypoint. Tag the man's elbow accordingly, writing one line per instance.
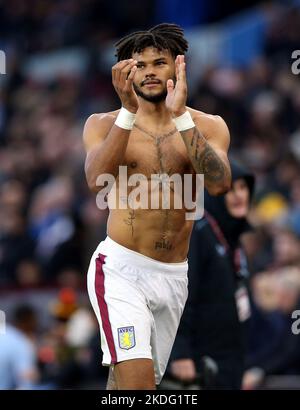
(93, 187)
(91, 178)
(92, 183)
(219, 189)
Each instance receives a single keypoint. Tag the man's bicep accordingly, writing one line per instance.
(218, 136)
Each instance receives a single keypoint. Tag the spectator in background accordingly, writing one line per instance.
(15, 244)
(68, 357)
(54, 227)
(273, 348)
(286, 245)
(218, 302)
(18, 358)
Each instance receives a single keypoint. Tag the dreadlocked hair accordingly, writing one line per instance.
(163, 37)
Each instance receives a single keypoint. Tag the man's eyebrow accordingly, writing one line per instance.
(156, 60)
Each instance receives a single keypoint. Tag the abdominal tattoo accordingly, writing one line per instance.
(164, 243)
(204, 157)
(130, 219)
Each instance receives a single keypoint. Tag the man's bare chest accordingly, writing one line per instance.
(156, 154)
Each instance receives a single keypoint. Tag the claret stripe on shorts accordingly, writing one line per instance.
(100, 292)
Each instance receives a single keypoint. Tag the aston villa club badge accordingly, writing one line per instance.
(126, 337)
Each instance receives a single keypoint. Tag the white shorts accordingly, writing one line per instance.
(138, 302)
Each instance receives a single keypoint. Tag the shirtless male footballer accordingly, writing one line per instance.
(137, 278)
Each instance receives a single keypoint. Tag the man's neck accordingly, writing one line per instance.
(156, 114)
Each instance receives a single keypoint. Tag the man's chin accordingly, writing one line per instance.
(152, 97)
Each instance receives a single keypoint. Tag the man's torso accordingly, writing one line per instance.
(162, 234)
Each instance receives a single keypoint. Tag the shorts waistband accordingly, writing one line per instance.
(127, 256)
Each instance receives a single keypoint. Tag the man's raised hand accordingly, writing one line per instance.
(177, 94)
(122, 78)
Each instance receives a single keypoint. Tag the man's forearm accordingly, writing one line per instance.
(206, 161)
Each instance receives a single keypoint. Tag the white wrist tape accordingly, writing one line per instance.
(184, 122)
(125, 119)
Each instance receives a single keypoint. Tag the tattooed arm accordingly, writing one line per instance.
(207, 141)
(209, 154)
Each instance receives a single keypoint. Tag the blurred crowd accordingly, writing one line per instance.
(50, 224)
